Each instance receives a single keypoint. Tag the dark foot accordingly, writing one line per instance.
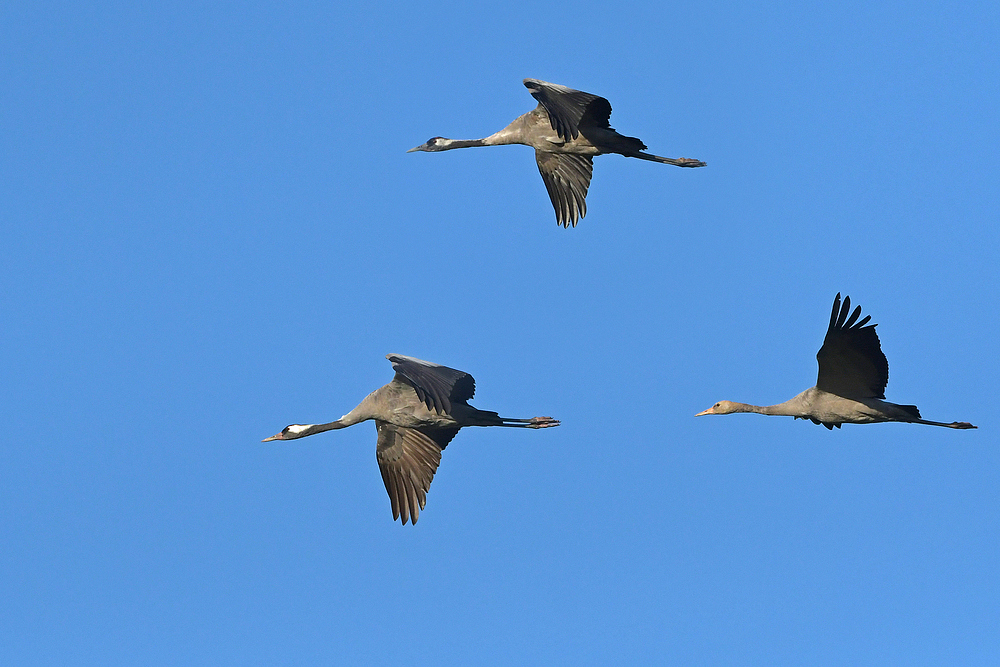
(542, 422)
(688, 162)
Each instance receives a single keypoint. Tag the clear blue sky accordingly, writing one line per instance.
(211, 229)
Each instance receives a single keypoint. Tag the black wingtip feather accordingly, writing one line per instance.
(853, 318)
(836, 312)
(843, 318)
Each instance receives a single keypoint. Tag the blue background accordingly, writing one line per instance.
(211, 229)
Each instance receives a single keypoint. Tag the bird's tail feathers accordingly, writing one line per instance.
(631, 143)
(487, 418)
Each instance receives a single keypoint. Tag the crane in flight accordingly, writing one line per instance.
(850, 389)
(416, 415)
(567, 129)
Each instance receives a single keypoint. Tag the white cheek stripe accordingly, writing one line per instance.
(298, 428)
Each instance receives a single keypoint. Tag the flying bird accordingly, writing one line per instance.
(416, 416)
(567, 129)
(850, 389)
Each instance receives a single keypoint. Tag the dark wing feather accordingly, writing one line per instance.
(568, 109)
(408, 459)
(437, 386)
(851, 362)
(567, 179)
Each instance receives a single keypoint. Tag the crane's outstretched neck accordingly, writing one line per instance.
(438, 144)
(729, 407)
(790, 408)
(448, 144)
(313, 429)
(355, 416)
(295, 431)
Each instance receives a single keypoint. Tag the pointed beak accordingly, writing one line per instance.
(273, 437)
(705, 412)
(416, 148)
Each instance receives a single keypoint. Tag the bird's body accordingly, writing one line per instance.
(416, 415)
(535, 129)
(398, 403)
(850, 388)
(822, 407)
(567, 129)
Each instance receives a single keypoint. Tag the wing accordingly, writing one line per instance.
(408, 459)
(437, 386)
(851, 362)
(568, 109)
(567, 178)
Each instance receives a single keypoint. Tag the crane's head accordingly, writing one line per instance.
(290, 432)
(432, 145)
(720, 408)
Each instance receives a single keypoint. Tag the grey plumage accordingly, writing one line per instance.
(850, 387)
(416, 415)
(567, 129)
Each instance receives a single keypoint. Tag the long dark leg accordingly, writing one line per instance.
(534, 422)
(962, 425)
(677, 162)
(487, 418)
